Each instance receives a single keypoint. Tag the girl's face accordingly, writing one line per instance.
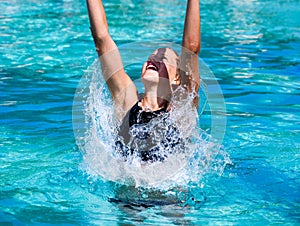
(161, 64)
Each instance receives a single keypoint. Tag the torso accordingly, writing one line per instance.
(150, 135)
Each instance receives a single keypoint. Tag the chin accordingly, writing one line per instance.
(151, 76)
(153, 80)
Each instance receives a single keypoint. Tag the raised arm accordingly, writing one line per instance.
(121, 87)
(191, 44)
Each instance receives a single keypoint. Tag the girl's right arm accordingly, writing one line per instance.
(121, 87)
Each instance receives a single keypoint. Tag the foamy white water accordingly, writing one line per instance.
(96, 130)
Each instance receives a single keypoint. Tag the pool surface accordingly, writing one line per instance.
(252, 48)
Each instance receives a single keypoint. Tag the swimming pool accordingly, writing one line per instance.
(252, 47)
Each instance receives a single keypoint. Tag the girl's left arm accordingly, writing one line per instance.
(191, 44)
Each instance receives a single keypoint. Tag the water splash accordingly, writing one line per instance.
(171, 180)
(96, 131)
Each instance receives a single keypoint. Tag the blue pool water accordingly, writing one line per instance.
(253, 49)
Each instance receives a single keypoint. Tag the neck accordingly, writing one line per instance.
(152, 103)
(155, 96)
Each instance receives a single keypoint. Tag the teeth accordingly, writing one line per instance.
(151, 67)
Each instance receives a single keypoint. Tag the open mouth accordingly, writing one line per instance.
(152, 66)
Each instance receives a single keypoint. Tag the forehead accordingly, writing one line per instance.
(166, 55)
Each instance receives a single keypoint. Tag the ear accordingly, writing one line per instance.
(175, 83)
(176, 80)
